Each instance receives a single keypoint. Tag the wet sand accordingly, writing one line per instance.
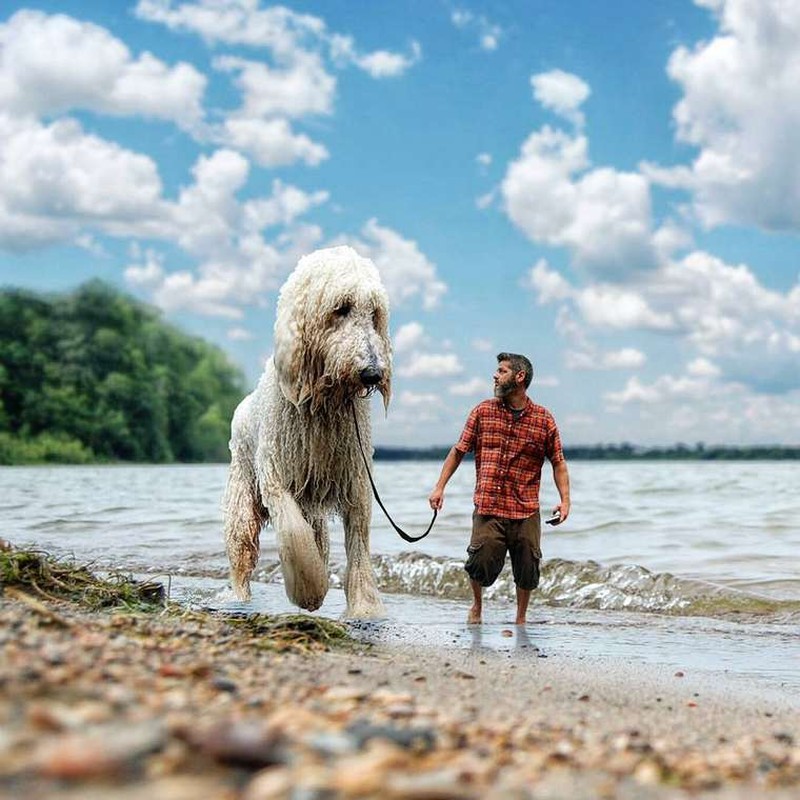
(99, 705)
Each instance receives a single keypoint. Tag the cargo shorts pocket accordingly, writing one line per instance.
(473, 565)
(473, 557)
(482, 564)
(525, 566)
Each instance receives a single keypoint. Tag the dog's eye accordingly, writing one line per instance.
(343, 310)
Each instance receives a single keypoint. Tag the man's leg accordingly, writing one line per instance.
(485, 557)
(474, 616)
(523, 596)
(525, 548)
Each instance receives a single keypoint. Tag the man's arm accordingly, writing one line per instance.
(448, 468)
(561, 478)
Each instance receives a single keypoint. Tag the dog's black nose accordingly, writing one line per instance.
(371, 376)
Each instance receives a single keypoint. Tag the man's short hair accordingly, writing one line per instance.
(518, 364)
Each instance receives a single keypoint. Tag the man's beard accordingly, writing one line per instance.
(502, 390)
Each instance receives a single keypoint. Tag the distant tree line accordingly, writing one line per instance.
(621, 452)
(96, 375)
(697, 452)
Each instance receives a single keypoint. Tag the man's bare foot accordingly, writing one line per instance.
(474, 616)
(520, 621)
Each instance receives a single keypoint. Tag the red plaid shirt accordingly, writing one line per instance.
(509, 455)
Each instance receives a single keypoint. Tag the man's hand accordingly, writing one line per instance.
(561, 477)
(436, 499)
(562, 509)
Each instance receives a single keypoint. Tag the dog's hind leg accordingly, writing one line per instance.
(360, 587)
(245, 516)
(303, 552)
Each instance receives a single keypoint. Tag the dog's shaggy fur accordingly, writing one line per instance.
(294, 452)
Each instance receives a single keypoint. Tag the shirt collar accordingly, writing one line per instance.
(524, 410)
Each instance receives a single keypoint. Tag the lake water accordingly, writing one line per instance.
(686, 564)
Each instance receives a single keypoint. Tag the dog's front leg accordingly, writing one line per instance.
(244, 518)
(305, 575)
(360, 588)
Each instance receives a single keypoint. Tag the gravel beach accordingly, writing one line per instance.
(109, 704)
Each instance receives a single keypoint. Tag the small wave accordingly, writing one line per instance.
(585, 584)
(575, 584)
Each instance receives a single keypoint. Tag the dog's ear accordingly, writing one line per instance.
(287, 358)
(296, 364)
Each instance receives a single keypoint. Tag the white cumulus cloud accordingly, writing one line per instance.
(51, 64)
(473, 386)
(386, 64)
(414, 399)
(431, 365)
(408, 337)
(595, 359)
(741, 109)
(284, 32)
(561, 92)
(602, 216)
(303, 87)
(722, 311)
(59, 177)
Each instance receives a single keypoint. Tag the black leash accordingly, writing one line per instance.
(402, 533)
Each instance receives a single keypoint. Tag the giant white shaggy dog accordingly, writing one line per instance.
(294, 451)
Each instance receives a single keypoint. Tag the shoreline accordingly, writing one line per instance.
(154, 706)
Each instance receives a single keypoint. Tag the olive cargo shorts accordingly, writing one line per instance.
(492, 537)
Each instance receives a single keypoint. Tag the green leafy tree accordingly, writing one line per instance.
(98, 374)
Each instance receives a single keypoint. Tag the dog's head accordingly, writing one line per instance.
(332, 330)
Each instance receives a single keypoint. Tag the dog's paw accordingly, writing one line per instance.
(365, 606)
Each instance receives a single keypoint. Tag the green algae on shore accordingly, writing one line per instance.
(28, 574)
(55, 579)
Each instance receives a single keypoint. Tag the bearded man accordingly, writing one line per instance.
(511, 436)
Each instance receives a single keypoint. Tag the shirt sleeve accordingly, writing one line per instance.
(470, 433)
(555, 452)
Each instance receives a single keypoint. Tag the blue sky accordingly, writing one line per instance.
(611, 189)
